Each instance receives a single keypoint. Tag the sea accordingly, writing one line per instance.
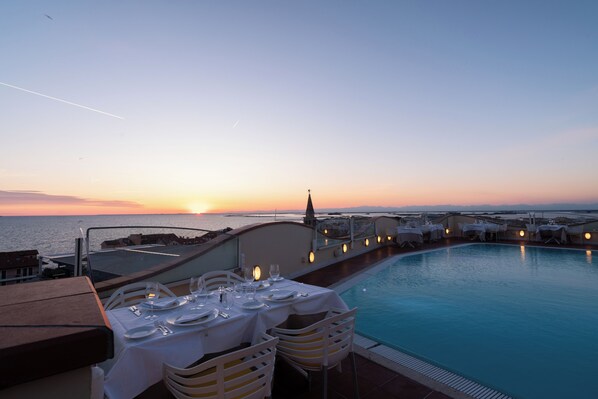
(56, 235)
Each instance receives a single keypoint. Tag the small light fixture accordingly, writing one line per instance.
(366, 242)
(447, 231)
(588, 236)
(388, 238)
(325, 231)
(379, 239)
(521, 233)
(257, 272)
(311, 257)
(345, 248)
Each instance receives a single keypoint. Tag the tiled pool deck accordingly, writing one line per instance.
(374, 380)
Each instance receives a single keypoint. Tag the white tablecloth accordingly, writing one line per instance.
(409, 235)
(137, 364)
(479, 230)
(553, 232)
(436, 231)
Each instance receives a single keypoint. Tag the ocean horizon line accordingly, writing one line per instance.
(519, 208)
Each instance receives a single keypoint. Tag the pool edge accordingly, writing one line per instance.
(432, 376)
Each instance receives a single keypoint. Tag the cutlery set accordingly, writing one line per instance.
(135, 311)
(163, 328)
(222, 314)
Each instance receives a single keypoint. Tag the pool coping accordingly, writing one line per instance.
(430, 375)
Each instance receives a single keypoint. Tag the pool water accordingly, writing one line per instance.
(522, 320)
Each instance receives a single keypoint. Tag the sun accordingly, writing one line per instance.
(198, 208)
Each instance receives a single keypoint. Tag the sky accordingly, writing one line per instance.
(220, 106)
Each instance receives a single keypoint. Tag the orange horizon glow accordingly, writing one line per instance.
(54, 209)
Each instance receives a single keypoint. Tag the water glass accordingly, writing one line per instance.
(274, 271)
(250, 292)
(228, 300)
(239, 289)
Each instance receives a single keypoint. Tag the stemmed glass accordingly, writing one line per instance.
(248, 276)
(194, 289)
(274, 272)
(152, 292)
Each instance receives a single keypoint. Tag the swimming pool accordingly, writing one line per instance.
(523, 320)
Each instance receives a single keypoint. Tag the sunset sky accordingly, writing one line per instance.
(215, 106)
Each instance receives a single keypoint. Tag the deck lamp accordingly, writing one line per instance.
(587, 236)
(325, 231)
(521, 233)
(379, 239)
(257, 272)
(388, 238)
(447, 231)
(311, 257)
(345, 248)
(366, 242)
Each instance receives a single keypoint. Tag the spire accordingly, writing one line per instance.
(310, 214)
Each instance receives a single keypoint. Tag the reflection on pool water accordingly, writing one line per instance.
(523, 320)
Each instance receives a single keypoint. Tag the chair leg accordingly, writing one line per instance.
(355, 385)
(324, 382)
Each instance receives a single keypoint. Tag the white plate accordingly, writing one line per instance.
(275, 279)
(206, 319)
(252, 305)
(291, 296)
(179, 302)
(140, 332)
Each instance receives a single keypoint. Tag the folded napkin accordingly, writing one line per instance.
(191, 317)
(162, 303)
(280, 295)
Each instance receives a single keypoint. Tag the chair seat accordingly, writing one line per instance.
(320, 346)
(242, 374)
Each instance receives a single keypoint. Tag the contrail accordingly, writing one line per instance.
(63, 101)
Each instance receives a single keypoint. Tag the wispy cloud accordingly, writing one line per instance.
(17, 197)
(61, 100)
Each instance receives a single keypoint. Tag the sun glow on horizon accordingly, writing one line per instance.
(198, 208)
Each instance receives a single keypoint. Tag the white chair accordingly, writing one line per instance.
(320, 346)
(219, 278)
(243, 374)
(132, 294)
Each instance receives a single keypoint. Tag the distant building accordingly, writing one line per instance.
(17, 264)
(310, 214)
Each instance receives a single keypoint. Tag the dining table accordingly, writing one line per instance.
(552, 233)
(432, 232)
(181, 332)
(409, 236)
(479, 230)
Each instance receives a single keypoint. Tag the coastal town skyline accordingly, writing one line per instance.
(194, 107)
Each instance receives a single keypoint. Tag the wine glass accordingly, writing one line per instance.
(274, 271)
(152, 292)
(202, 294)
(194, 288)
(248, 275)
